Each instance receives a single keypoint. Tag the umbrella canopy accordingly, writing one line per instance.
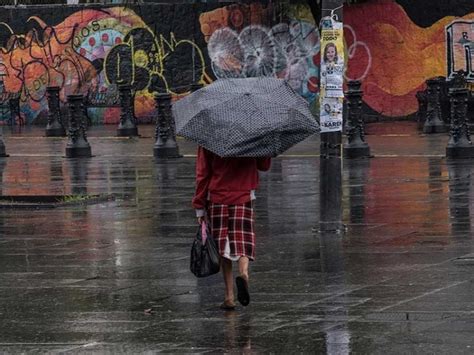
(249, 117)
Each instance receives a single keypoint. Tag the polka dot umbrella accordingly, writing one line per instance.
(245, 117)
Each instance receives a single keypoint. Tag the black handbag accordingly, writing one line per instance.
(205, 259)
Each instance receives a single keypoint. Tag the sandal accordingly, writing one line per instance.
(227, 306)
(242, 290)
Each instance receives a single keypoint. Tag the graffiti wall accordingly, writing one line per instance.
(393, 46)
(155, 48)
(89, 50)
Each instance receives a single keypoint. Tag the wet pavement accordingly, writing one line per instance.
(389, 270)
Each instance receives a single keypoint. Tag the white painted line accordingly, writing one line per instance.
(423, 295)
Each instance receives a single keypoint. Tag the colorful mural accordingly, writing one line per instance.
(394, 56)
(385, 48)
(391, 46)
(92, 49)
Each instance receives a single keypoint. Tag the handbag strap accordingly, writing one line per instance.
(203, 232)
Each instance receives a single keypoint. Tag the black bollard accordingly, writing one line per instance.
(128, 125)
(77, 145)
(434, 122)
(55, 126)
(422, 106)
(459, 145)
(14, 106)
(3, 153)
(165, 145)
(444, 101)
(356, 147)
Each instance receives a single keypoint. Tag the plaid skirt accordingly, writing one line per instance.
(233, 224)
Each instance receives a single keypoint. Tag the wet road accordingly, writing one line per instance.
(396, 278)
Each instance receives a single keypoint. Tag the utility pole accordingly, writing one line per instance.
(331, 99)
(331, 140)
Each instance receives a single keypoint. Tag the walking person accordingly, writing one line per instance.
(225, 189)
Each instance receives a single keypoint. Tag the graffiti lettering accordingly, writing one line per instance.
(460, 48)
(85, 32)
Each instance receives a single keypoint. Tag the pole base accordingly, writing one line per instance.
(166, 152)
(356, 152)
(78, 152)
(460, 152)
(435, 128)
(55, 132)
(127, 132)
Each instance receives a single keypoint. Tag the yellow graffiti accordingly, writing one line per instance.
(140, 58)
(153, 60)
(166, 47)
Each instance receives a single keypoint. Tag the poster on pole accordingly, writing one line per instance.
(331, 114)
(332, 76)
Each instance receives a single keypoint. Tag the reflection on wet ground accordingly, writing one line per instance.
(390, 269)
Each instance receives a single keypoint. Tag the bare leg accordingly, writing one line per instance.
(227, 272)
(244, 267)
